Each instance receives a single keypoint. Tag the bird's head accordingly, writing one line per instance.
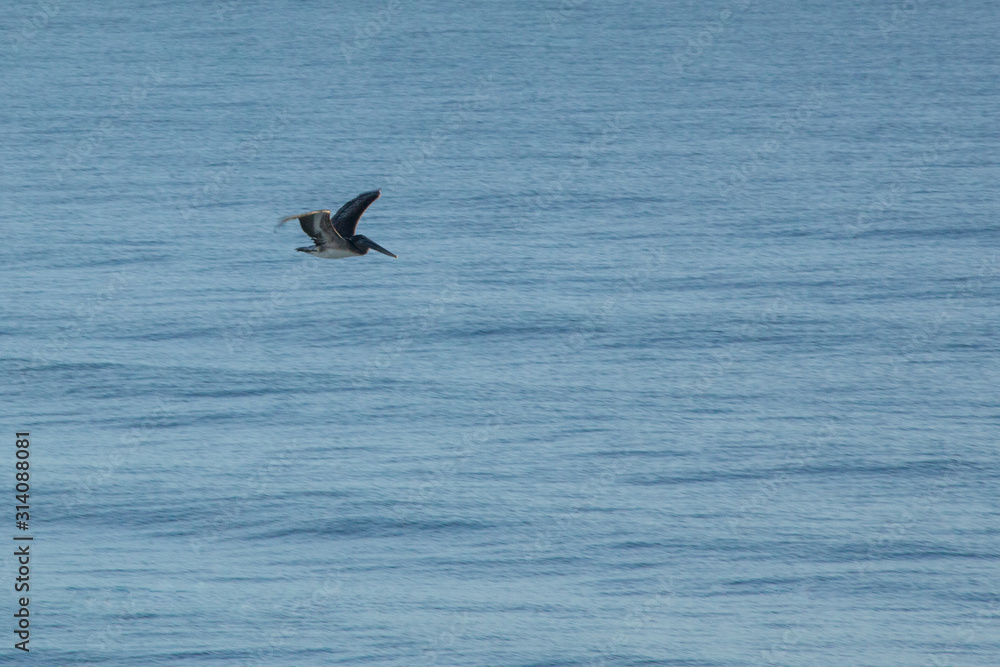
(365, 243)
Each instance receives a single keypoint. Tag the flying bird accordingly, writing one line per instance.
(334, 238)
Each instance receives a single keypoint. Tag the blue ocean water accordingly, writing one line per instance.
(689, 356)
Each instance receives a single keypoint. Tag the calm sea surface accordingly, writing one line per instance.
(690, 355)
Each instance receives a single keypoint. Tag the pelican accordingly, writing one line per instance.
(335, 238)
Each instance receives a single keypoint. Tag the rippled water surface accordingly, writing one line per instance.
(689, 356)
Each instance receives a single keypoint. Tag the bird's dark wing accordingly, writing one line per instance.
(345, 221)
(316, 224)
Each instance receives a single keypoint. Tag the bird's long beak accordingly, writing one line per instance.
(374, 246)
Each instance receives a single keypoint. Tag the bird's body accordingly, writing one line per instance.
(334, 238)
(331, 253)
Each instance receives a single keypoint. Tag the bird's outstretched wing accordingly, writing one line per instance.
(345, 221)
(316, 224)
